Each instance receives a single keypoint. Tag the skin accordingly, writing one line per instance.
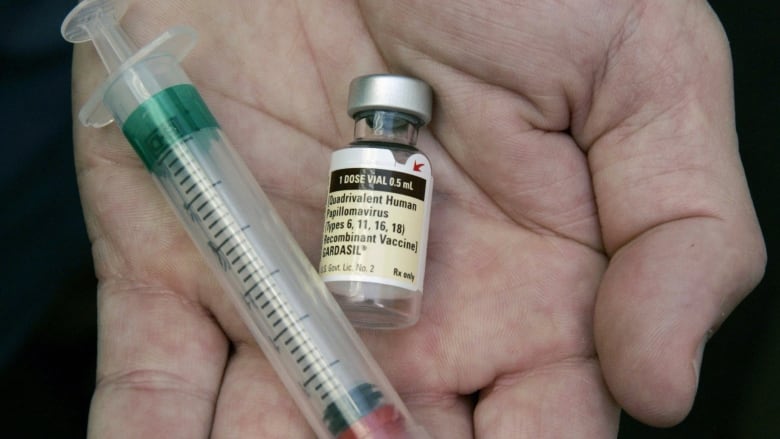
(591, 224)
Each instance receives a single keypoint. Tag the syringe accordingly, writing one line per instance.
(321, 360)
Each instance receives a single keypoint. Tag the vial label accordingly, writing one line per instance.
(376, 218)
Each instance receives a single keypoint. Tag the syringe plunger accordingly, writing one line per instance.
(98, 21)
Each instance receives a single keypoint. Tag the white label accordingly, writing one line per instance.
(376, 218)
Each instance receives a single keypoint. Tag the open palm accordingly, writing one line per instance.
(591, 224)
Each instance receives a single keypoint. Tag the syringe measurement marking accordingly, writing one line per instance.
(240, 255)
(315, 371)
(200, 194)
(280, 334)
(319, 386)
(232, 249)
(219, 247)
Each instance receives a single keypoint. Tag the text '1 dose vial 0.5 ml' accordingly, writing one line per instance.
(379, 205)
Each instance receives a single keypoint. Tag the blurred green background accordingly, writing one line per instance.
(47, 300)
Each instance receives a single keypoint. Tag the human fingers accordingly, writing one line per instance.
(253, 402)
(565, 399)
(675, 211)
(160, 362)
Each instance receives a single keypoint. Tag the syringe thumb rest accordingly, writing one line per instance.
(97, 21)
(75, 28)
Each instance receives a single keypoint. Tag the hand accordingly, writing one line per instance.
(591, 223)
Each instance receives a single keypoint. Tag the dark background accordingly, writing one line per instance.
(47, 297)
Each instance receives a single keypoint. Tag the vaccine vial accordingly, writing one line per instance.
(379, 205)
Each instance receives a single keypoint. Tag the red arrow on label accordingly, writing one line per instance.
(417, 166)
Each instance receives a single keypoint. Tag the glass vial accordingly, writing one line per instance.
(379, 205)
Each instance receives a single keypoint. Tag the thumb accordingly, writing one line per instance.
(676, 215)
(662, 297)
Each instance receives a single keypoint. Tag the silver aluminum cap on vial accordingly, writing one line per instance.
(390, 92)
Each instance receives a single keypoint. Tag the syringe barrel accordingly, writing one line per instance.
(300, 328)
